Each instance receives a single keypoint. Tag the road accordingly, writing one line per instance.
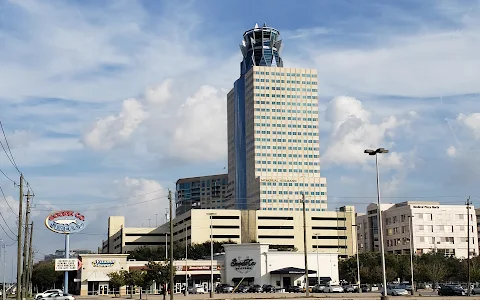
(282, 296)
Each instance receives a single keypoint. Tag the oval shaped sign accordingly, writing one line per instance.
(65, 222)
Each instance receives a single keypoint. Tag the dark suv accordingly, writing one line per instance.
(451, 290)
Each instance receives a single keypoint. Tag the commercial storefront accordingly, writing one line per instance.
(256, 264)
(247, 264)
(93, 276)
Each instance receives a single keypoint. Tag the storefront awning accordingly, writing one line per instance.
(292, 270)
(325, 279)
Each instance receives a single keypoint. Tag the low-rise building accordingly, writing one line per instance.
(326, 231)
(249, 263)
(436, 228)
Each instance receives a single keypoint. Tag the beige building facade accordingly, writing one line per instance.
(327, 231)
(282, 155)
(92, 279)
(436, 228)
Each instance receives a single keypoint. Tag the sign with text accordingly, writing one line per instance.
(244, 265)
(65, 222)
(100, 263)
(66, 264)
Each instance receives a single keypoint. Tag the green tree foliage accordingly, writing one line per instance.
(195, 251)
(45, 277)
(131, 278)
(429, 267)
(117, 280)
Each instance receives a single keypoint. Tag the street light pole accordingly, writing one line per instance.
(186, 259)
(411, 254)
(318, 264)
(379, 217)
(211, 254)
(468, 246)
(358, 264)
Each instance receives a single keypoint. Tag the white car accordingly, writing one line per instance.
(396, 291)
(58, 296)
(47, 292)
(333, 289)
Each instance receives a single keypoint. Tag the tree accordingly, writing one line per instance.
(117, 280)
(45, 277)
(143, 281)
(159, 272)
(195, 251)
(130, 279)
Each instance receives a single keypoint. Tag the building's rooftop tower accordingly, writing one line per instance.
(261, 46)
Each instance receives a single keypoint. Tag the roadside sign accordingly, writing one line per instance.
(66, 264)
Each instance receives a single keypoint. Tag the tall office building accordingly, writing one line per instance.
(273, 143)
(204, 192)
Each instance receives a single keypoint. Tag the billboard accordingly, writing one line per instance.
(65, 222)
(66, 264)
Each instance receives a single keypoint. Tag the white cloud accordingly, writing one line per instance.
(471, 122)
(109, 55)
(30, 149)
(452, 151)
(424, 63)
(187, 129)
(144, 199)
(353, 131)
(114, 130)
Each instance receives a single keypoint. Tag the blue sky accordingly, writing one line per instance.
(112, 102)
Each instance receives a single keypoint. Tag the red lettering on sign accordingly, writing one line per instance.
(66, 213)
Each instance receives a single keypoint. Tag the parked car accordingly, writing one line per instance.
(349, 288)
(47, 292)
(475, 290)
(255, 289)
(451, 290)
(58, 296)
(294, 289)
(267, 288)
(365, 288)
(333, 289)
(242, 289)
(405, 286)
(224, 288)
(394, 290)
(318, 288)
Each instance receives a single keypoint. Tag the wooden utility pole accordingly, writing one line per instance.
(29, 269)
(25, 247)
(307, 292)
(19, 241)
(171, 245)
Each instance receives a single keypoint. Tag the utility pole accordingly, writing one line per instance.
(29, 263)
(19, 241)
(307, 292)
(468, 245)
(25, 247)
(171, 244)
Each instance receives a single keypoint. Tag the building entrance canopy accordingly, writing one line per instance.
(292, 270)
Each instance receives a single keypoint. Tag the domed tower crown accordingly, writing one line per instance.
(261, 46)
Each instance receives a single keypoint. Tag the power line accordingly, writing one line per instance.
(12, 159)
(105, 201)
(4, 197)
(118, 206)
(7, 176)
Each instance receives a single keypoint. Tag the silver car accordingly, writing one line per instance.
(47, 292)
(58, 296)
